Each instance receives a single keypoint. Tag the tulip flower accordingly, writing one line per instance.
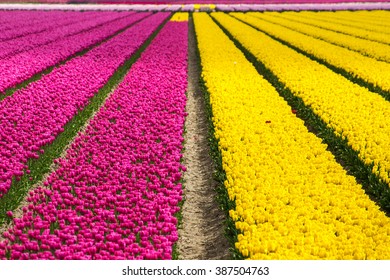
(289, 191)
(93, 209)
(82, 73)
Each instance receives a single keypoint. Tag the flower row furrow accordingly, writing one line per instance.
(366, 47)
(33, 116)
(309, 18)
(81, 23)
(366, 68)
(116, 193)
(352, 111)
(23, 66)
(293, 200)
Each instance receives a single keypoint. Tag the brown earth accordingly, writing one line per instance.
(201, 235)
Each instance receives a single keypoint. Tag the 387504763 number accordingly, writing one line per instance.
(237, 270)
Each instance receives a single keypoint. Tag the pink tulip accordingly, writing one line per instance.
(113, 216)
(82, 74)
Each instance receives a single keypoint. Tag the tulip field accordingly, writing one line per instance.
(93, 131)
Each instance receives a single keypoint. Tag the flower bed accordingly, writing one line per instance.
(293, 200)
(337, 101)
(115, 194)
(48, 22)
(32, 117)
(369, 48)
(300, 145)
(18, 68)
(309, 18)
(81, 23)
(357, 65)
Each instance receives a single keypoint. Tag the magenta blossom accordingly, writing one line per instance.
(116, 193)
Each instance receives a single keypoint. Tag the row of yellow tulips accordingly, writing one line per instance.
(293, 200)
(369, 48)
(346, 18)
(180, 16)
(311, 18)
(380, 17)
(353, 111)
(369, 69)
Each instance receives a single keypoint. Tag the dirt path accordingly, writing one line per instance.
(201, 235)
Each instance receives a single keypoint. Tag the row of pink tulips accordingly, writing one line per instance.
(14, 19)
(22, 66)
(115, 194)
(33, 116)
(47, 23)
(9, 17)
(82, 22)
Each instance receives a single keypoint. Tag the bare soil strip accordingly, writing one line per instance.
(201, 235)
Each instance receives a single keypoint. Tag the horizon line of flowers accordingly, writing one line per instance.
(336, 5)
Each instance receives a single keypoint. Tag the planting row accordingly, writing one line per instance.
(319, 6)
(368, 69)
(33, 116)
(366, 47)
(18, 68)
(82, 22)
(344, 18)
(116, 193)
(293, 200)
(20, 27)
(355, 113)
(310, 18)
(372, 16)
(9, 19)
